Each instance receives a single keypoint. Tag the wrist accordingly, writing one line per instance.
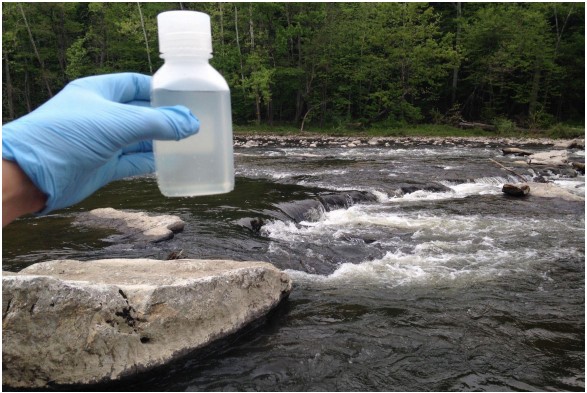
(19, 195)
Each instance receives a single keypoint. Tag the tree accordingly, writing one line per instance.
(326, 64)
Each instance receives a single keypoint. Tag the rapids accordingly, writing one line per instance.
(412, 270)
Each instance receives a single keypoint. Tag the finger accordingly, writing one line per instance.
(139, 147)
(142, 123)
(134, 165)
(121, 87)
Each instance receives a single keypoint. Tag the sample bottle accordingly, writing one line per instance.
(201, 164)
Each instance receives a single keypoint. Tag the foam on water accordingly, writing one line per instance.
(438, 249)
(424, 267)
(575, 186)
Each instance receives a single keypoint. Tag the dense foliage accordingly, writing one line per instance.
(326, 64)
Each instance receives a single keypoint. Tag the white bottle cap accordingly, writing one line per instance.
(184, 32)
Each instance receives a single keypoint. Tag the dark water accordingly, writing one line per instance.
(412, 271)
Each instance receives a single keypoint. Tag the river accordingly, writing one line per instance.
(412, 270)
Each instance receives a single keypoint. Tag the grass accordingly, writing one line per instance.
(558, 131)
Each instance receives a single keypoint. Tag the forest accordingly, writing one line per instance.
(325, 64)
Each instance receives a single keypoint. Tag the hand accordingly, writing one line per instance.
(96, 130)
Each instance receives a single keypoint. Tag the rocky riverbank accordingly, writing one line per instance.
(315, 140)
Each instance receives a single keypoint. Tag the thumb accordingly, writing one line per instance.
(170, 122)
(129, 124)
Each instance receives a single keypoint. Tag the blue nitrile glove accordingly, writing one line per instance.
(96, 130)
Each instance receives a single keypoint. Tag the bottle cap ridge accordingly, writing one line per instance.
(184, 31)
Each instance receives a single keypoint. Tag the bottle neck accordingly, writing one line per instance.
(191, 57)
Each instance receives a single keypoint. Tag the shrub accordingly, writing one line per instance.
(566, 132)
(504, 126)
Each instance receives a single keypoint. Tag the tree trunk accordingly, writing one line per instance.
(59, 28)
(221, 11)
(257, 108)
(270, 112)
(559, 34)
(251, 28)
(455, 71)
(9, 88)
(34, 45)
(238, 45)
(533, 101)
(305, 116)
(146, 40)
(27, 92)
(299, 103)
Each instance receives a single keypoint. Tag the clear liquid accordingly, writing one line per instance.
(202, 164)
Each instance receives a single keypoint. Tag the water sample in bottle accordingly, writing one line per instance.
(201, 164)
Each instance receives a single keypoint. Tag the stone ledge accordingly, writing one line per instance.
(72, 322)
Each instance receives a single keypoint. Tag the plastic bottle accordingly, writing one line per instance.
(203, 163)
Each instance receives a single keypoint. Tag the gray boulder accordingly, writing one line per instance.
(72, 322)
(132, 226)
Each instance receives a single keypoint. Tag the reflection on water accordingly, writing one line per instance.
(430, 279)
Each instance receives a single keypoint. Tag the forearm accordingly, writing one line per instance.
(19, 195)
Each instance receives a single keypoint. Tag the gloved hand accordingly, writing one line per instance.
(96, 130)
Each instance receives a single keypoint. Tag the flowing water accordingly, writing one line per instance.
(412, 271)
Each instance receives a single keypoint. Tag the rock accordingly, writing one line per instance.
(134, 226)
(550, 190)
(542, 190)
(517, 190)
(71, 322)
(559, 171)
(553, 157)
(515, 151)
(566, 144)
(579, 166)
(373, 142)
(409, 188)
(251, 143)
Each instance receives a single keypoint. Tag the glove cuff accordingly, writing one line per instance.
(28, 161)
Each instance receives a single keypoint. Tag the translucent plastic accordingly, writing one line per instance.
(203, 163)
(181, 31)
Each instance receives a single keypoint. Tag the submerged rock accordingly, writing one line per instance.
(133, 226)
(72, 322)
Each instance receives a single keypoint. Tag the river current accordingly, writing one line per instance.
(412, 270)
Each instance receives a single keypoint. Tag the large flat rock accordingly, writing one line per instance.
(72, 322)
(552, 157)
(132, 226)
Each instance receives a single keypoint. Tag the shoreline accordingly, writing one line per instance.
(321, 140)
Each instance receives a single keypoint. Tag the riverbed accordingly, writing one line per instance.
(412, 270)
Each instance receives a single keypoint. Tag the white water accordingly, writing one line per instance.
(427, 248)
